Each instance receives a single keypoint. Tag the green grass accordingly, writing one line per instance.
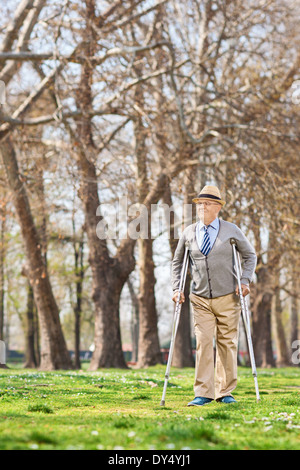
(120, 409)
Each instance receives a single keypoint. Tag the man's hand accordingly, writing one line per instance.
(175, 297)
(245, 290)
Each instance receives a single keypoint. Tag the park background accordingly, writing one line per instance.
(144, 101)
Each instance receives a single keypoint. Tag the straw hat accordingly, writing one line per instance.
(209, 193)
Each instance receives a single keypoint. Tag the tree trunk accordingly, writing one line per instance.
(134, 321)
(294, 320)
(282, 359)
(294, 312)
(54, 353)
(2, 261)
(262, 342)
(30, 354)
(108, 350)
(149, 350)
(37, 345)
(262, 308)
(108, 277)
(261, 303)
(79, 274)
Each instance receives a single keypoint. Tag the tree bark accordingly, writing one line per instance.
(54, 353)
(294, 312)
(294, 319)
(108, 349)
(261, 319)
(134, 321)
(148, 348)
(30, 353)
(2, 261)
(282, 359)
(79, 275)
(108, 276)
(262, 305)
(262, 341)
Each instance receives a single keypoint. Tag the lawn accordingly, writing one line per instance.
(120, 409)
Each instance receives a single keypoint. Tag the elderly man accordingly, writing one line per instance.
(214, 295)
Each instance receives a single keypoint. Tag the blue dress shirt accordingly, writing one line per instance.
(213, 231)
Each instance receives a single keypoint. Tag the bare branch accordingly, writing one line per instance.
(25, 56)
(15, 24)
(28, 25)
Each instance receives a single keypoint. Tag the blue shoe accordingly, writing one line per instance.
(200, 401)
(228, 399)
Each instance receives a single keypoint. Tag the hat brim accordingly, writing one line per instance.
(196, 200)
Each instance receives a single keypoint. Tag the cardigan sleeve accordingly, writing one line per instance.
(177, 262)
(248, 257)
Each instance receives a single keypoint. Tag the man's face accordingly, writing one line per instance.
(207, 211)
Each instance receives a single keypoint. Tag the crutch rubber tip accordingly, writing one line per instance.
(162, 403)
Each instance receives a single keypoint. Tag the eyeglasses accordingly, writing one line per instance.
(207, 204)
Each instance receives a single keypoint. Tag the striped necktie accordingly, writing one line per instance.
(205, 248)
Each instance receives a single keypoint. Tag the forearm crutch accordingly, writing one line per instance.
(245, 314)
(176, 319)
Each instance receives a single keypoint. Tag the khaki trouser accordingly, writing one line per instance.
(219, 317)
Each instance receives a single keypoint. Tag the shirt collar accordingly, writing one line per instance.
(214, 224)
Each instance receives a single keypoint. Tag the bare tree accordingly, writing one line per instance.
(54, 352)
